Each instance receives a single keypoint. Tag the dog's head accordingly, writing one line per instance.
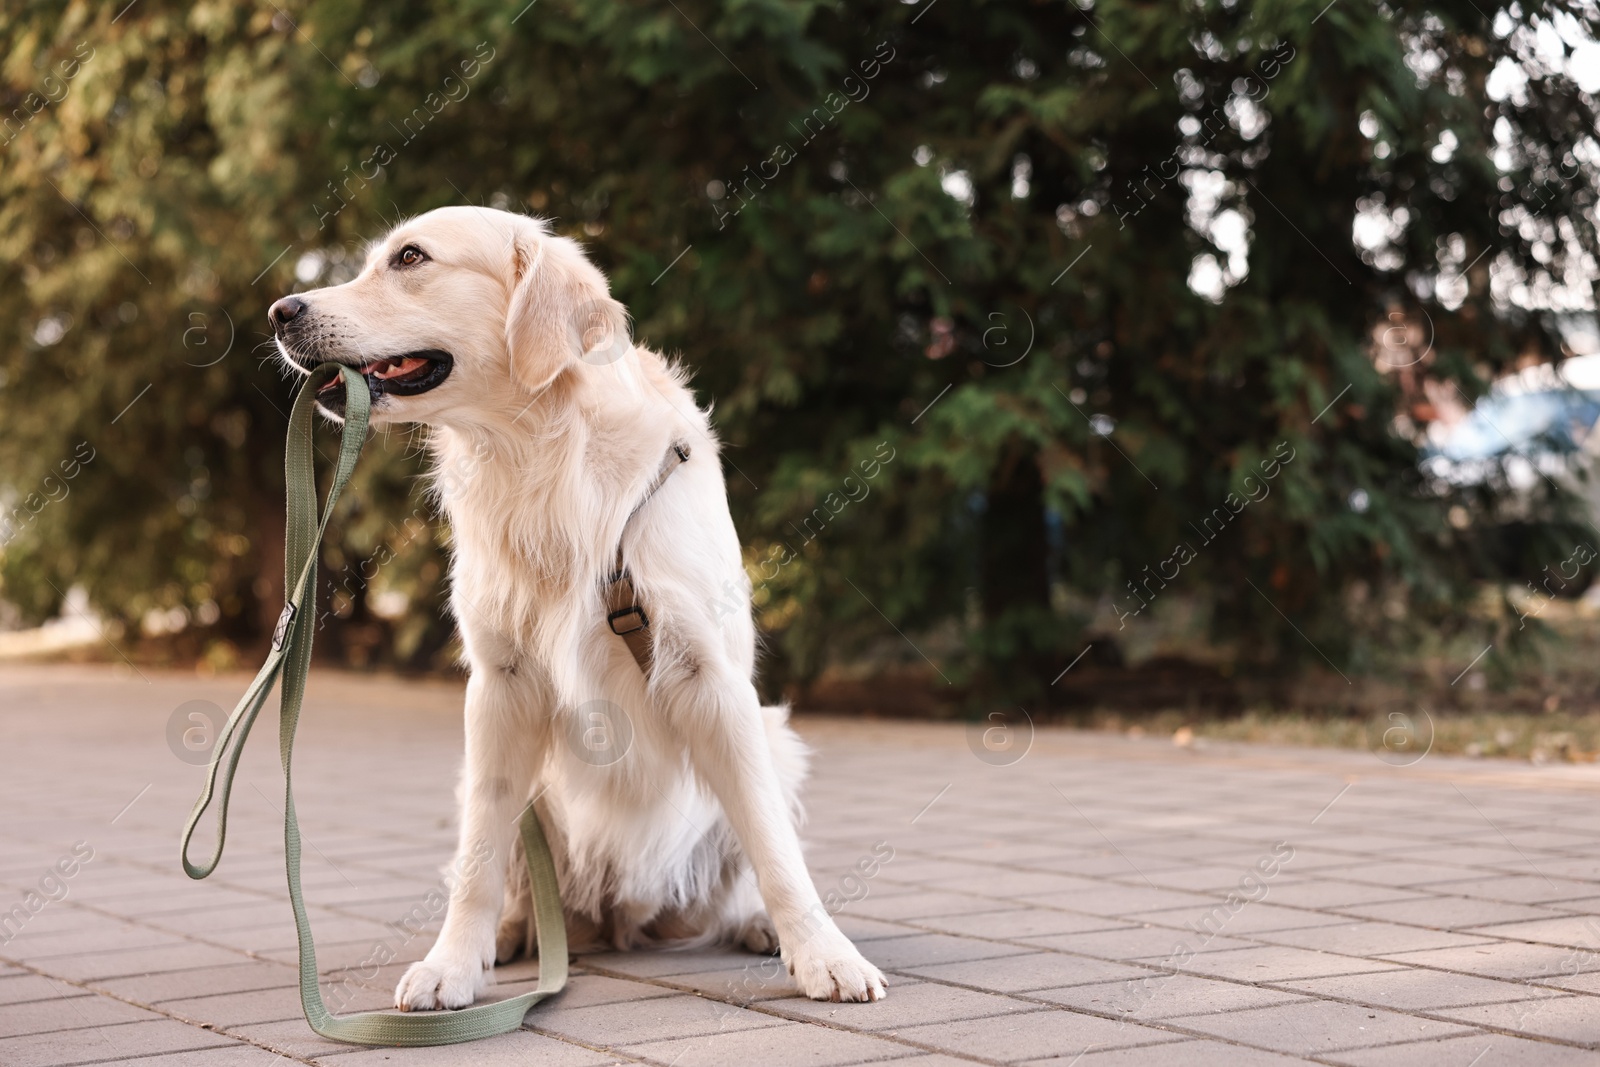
(454, 310)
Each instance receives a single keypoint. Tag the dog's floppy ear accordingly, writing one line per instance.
(561, 311)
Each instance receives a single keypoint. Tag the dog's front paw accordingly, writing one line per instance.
(440, 982)
(834, 970)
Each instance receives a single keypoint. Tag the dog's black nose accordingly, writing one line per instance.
(284, 312)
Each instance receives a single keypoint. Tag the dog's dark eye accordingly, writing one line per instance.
(410, 256)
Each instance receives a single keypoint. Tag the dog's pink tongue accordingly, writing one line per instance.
(396, 368)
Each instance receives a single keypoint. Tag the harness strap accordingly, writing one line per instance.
(288, 662)
(623, 613)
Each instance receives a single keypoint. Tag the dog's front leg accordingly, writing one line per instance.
(501, 744)
(719, 716)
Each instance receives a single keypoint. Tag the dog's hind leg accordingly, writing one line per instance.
(503, 743)
(518, 933)
(744, 917)
(515, 938)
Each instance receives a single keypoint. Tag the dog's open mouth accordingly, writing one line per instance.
(411, 374)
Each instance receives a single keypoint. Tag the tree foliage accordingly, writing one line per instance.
(1085, 274)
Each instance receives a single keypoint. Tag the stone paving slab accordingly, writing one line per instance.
(1177, 1054)
(1181, 994)
(1467, 1051)
(1102, 902)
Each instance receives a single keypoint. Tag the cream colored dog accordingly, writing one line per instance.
(659, 793)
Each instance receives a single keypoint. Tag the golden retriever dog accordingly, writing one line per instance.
(669, 794)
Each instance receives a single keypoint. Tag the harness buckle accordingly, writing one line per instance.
(622, 613)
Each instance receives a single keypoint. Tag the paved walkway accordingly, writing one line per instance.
(1101, 901)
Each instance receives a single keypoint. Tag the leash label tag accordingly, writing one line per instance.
(281, 632)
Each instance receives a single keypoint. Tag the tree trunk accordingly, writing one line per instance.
(1014, 570)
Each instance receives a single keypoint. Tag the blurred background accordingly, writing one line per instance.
(1196, 365)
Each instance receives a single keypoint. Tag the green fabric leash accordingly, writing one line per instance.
(289, 661)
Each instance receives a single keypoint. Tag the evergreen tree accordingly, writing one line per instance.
(1071, 281)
